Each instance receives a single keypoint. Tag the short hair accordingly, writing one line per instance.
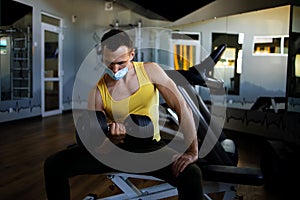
(115, 38)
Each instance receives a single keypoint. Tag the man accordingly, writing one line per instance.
(127, 88)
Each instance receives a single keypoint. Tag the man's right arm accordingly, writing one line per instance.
(95, 100)
(117, 131)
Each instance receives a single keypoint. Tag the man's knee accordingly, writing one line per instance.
(192, 172)
(190, 183)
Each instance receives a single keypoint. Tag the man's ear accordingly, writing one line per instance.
(132, 53)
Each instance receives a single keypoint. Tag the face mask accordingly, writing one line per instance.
(116, 76)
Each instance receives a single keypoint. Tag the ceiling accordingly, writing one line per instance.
(157, 9)
(11, 11)
(152, 9)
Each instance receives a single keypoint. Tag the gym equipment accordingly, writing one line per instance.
(268, 104)
(137, 126)
(219, 166)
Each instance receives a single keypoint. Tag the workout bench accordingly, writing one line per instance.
(217, 178)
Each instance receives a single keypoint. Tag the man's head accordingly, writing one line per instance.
(115, 38)
(117, 52)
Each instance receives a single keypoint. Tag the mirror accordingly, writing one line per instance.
(294, 62)
(15, 50)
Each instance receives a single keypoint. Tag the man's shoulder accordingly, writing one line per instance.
(150, 64)
(143, 63)
(146, 65)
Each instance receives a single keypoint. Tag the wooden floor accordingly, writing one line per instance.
(25, 144)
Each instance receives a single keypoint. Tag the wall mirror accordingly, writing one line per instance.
(295, 54)
(15, 50)
(294, 62)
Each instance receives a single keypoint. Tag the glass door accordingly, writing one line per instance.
(51, 73)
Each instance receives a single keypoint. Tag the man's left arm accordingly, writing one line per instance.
(176, 102)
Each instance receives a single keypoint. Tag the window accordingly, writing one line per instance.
(50, 20)
(270, 45)
(186, 49)
(297, 65)
(183, 56)
(3, 45)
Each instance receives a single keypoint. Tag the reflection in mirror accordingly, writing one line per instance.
(293, 76)
(229, 67)
(15, 50)
(294, 90)
(268, 45)
(5, 70)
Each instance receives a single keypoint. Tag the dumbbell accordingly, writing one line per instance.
(139, 126)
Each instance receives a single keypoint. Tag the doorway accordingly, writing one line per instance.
(51, 85)
(229, 67)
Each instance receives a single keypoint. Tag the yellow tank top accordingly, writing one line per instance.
(145, 101)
